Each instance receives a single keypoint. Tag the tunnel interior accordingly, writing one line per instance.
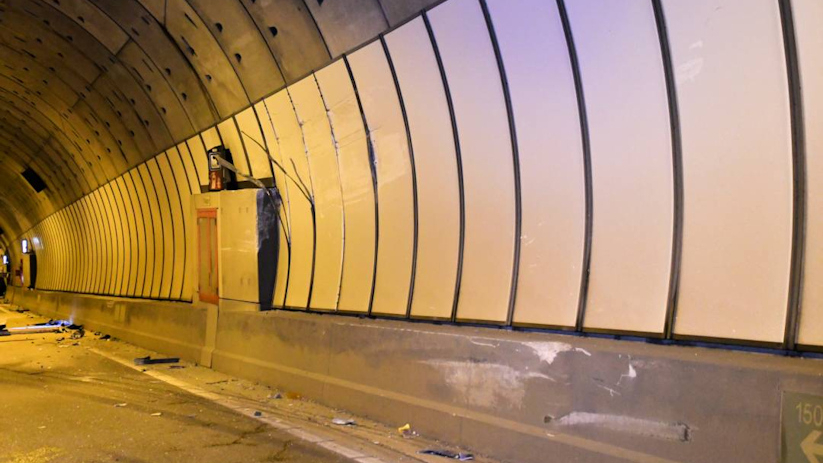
(644, 169)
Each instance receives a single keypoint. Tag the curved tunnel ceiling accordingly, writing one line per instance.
(643, 166)
(91, 88)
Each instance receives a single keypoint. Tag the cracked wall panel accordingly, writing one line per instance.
(290, 139)
(291, 34)
(631, 156)
(94, 21)
(438, 193)
(486, 149)
(387, 133)
(398, 11)
(166, 102)
(322, 155)
(255, 145)
(241, 41)
(283, 185)
(231, 140)
(345, 24)
(733, 98)
(204, 53)
(808, 18)
(166, 55)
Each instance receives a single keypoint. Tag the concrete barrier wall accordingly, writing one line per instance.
(513, 395)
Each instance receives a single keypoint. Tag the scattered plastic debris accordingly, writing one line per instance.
(150, 361)
(176, 367)
(407, 431)
(156, 414)
(121, 405)
(448, 454)
(258, 413)
(105, 337)
(343, 422)
(77, 334)
(276, 396)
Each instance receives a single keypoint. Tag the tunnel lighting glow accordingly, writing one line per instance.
(25, 246)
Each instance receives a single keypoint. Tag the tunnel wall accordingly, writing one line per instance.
(643, 168)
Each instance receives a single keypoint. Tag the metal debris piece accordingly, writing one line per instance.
(156, 414)
(343, 422)
(120, 405)
(150, 361)
(448, 454)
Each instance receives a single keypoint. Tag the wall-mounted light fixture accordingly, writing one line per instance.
(25, 244)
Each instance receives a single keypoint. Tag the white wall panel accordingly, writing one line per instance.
(322, 156)
(488, 171)
(231, 140)
(282, 183)
(181, 181)
(253, 141)
(435, 157)
(141, 221)
(632, 174)
(302, 228)
(179, 256)
(808, 21)
(387, 133)
(358, 188)
(737, 168)
(167, 226)
(552, 177)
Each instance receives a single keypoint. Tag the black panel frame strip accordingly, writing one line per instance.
(587, 163)
(799, 206)
(518, 202)
(370, 150)
(416, 239)
(677, 167)
(458, 159)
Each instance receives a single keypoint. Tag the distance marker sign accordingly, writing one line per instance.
(801, 428)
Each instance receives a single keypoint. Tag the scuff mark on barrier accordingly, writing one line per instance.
(486, 384)
(547, 351)
(638, 426)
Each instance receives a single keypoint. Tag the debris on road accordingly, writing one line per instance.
(407, 431)
(120, 405)
(258, 413)
(276, 396)
(150, 361)
(448, 454)
(157, 414)
(343, 422)
(105, 337)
